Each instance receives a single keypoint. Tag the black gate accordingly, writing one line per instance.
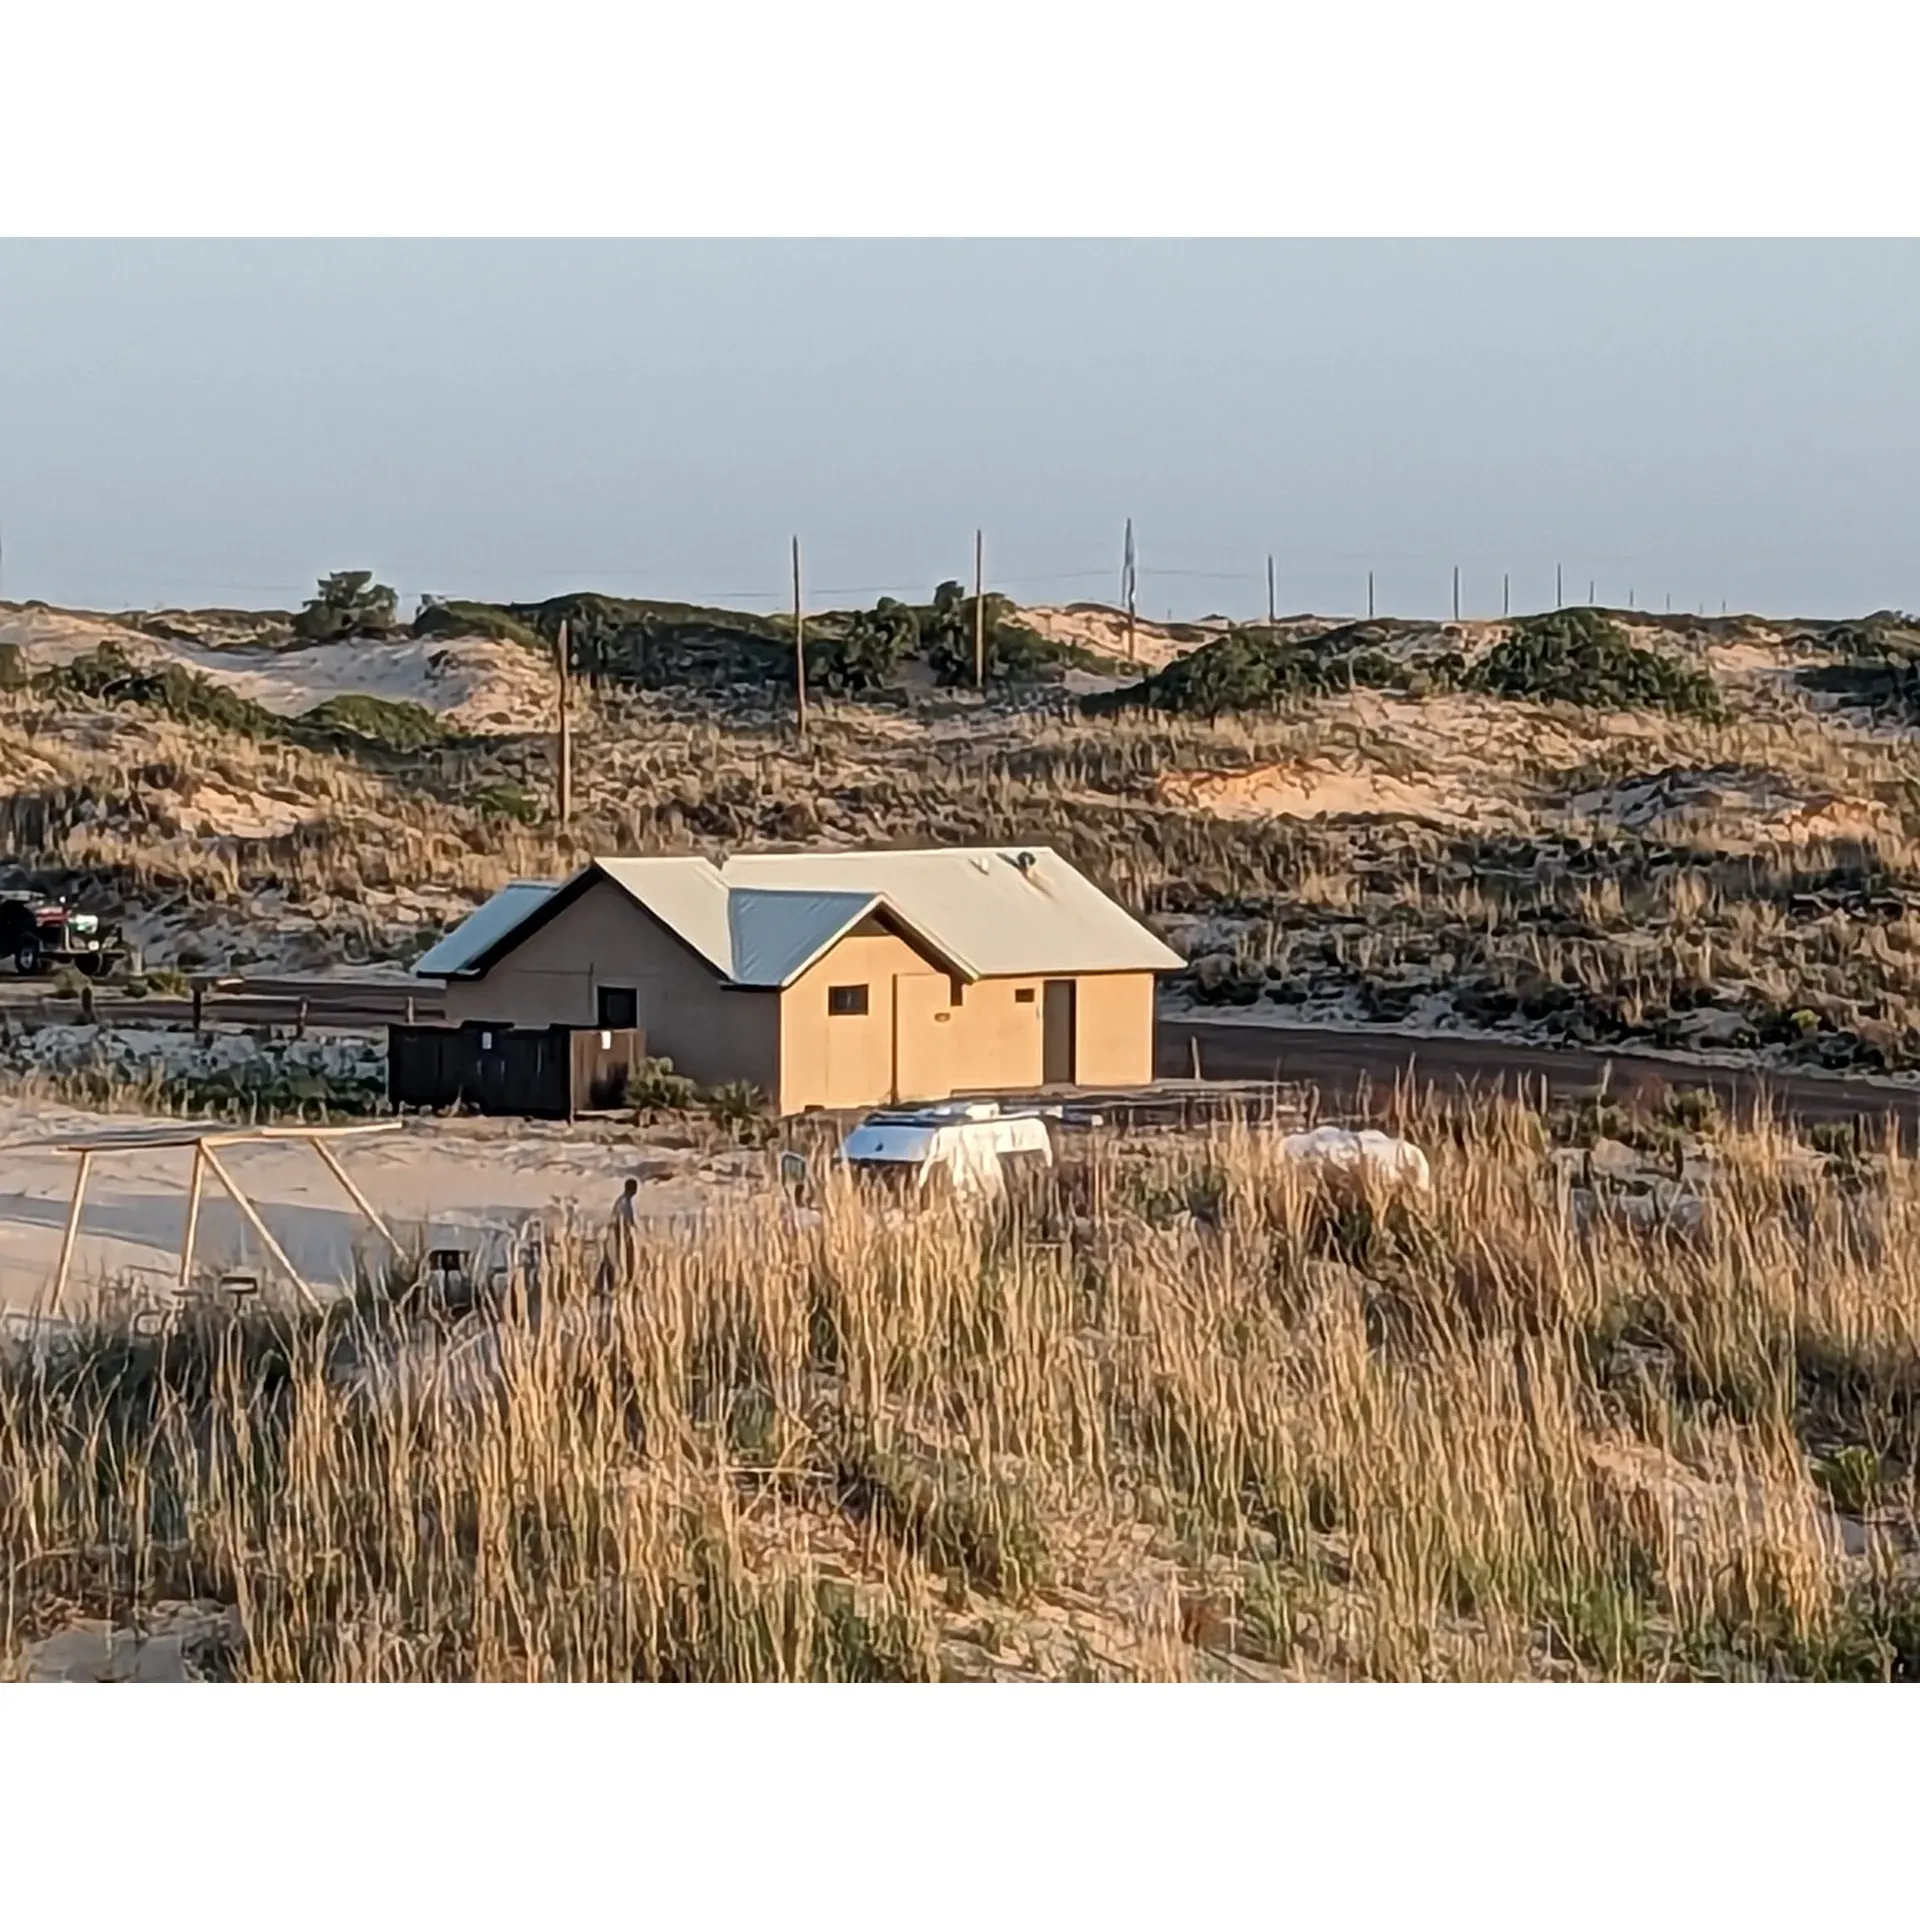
(540, 1073)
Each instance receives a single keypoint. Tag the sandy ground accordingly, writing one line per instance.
(1313, 790)
(484, 686)
(436, 1182)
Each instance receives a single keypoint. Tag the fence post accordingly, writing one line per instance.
(199, 1005)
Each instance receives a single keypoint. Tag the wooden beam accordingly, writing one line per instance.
(562, 655)
(352, 1192)
(979, 612)
(73, 1230)
(196, 1185)
(251, 1216)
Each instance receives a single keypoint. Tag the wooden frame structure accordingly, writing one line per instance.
(204, 1141)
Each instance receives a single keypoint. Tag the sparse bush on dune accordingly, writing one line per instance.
(1578, 657)
(347, 606)
(1581, 657)
(1876, 665)
(1188, 1417)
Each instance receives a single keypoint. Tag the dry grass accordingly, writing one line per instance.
(1185, 1417)
(1607, 877)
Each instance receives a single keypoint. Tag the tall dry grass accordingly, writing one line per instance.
(1181, 1415)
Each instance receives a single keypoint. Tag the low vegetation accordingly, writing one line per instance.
(659, 645)
(346, 721)
(1577, 657)
(1193, 1415)
(347, 606)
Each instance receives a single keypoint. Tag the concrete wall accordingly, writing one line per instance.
(605, 940)
(998, 1042)
(846, 1060)
(915, 1041)
(1113, 1030)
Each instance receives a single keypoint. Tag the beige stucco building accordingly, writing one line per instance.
(832, 980)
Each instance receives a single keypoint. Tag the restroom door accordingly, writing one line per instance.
(1057, 1012)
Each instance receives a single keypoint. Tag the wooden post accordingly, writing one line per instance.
(86, 1003)
(73, 1230)
(1589, 593)
(196, 1183)
(563, 772)
(1369, 593)
(251, 1216)
(1128, 582)
(1506, 595)
(300, 1021)
(352, 1192)
(199, 1005)
(979, 611)
(1271, 609)
(1456, 595)
(409, 1009)
(1558, 592)
(799, 647)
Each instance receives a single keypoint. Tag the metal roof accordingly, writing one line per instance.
(759, 920)
(686, 894)
(778, 934)
(995, 910)
(483, 929)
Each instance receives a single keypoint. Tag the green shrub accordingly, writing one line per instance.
(1580, 658)
(1249, 668)
(475, 617)
(1577, 656)
(656, 1088)
(1878, 666)
(344, 606)
(505, 800)
(402, 725)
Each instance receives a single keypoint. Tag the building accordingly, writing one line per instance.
(832, 980)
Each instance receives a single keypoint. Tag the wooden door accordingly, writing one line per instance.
(1057, 1013)
(923, 1054)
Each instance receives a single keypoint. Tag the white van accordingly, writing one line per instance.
(966, 1149)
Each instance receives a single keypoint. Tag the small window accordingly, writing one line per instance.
(1024, 995)
(618, 1007)
(847, 999)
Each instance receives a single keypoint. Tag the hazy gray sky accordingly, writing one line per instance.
(221, 421)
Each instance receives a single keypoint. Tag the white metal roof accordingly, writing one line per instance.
(684, 892)
(981, 905)
(760, 920)
(483, 928)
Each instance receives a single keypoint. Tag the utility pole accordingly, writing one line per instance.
(1369, 593)
(1456, 596)
(1271, 621)
(799, 648)
(1558, 596)
(1506, 595)
(979, 611)
(1127, 581)
(563, 772)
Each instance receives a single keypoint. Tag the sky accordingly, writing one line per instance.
(220, 422)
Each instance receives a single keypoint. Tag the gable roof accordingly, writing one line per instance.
(997, 910)
(484, 928)
(760, 920)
